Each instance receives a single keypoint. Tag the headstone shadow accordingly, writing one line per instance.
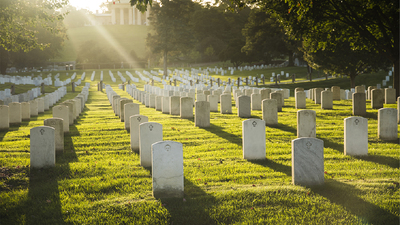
(235, 139)
(380, 159)
(346, 195)
(195, 204)
(274, 165)
(330, 144)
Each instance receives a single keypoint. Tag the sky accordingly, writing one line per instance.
(91, 5)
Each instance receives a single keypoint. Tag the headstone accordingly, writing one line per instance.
(298, 89)
(306, 123)
(244, 106)
(307, 161)
(360, 89)
(317, 95)
(326, 100)
(270, 112)
(248, 92)
(130, 109)
(377, 98)
(186, 110)
(62, 112)
(213, 100)
(174, 105)
(202, 114)
(253, 139)
(15, 114)
(265, 93)
(226, 104)
(398, 110)
(119, 107)
(335, 92)
(165, 104)
(390, 96)
(57, 124)
(369, 90)
(278, 97)
(135, 122)
(46, 102)
(4, 117)
(152, 101)
(387, 124)
(356, 136)
(167, 169)
(71, 114)
(255, 101)
(300, 99)
(149, 133)
(40, 105)
(359, 104)
(122, 103)
(158, 103)
(201, 97)
(42, 147)
(25, 111)
(33, 107)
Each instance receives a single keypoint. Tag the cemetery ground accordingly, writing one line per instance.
(99, 180)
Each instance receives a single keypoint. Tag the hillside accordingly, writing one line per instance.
(127, 36)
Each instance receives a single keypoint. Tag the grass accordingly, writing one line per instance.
(128, 36)
(99, 180)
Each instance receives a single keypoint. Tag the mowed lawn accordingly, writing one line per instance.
(99, 180)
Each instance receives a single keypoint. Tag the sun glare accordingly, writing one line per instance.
(91, 5)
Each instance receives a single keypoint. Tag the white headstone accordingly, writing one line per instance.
(122, 103)
(15, 114)
(186, 110)
(244, 106)
(25, 111)
(62, 111)
(42, 147)
(356, 136)
(387, 124)
(226, 104)
(165, 104)
(270, 112)
(33, 107)
(57, 124)
(130, 109)
(135, 121)
(213, 100)
(149, 133)
(306, 123)
(202, 114)
(4, 117)
(253, 139)
(300, 99)
(307, 161)
(40, 105)
(256, 102)
(167, 169)
(174, 105)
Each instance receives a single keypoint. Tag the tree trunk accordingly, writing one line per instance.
(396, 77)
(4, 59)
(165, 63)
(309, 70)
(291, 63)
(353, 80)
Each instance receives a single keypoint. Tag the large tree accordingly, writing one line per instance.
(266, 39)
(370, 25)
(170, 28)
(18, 22)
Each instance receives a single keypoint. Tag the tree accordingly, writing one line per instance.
(75, 18)
(233, 52)
(371, 25)
(18, 19)
(266, 38)
(170, 29)
(339, 58)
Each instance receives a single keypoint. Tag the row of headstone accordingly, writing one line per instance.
(164, 157)
(48, 140)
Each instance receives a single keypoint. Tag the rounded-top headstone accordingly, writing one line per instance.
(42, 147)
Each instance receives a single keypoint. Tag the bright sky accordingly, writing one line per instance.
(91, 5)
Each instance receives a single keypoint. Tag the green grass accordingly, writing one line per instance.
(128, 36)
(99, 180)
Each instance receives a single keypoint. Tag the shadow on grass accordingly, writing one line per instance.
(330, 144)
(274, 165)
(346, 196)
(380, 159)
(235, 139)
(192, 210)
